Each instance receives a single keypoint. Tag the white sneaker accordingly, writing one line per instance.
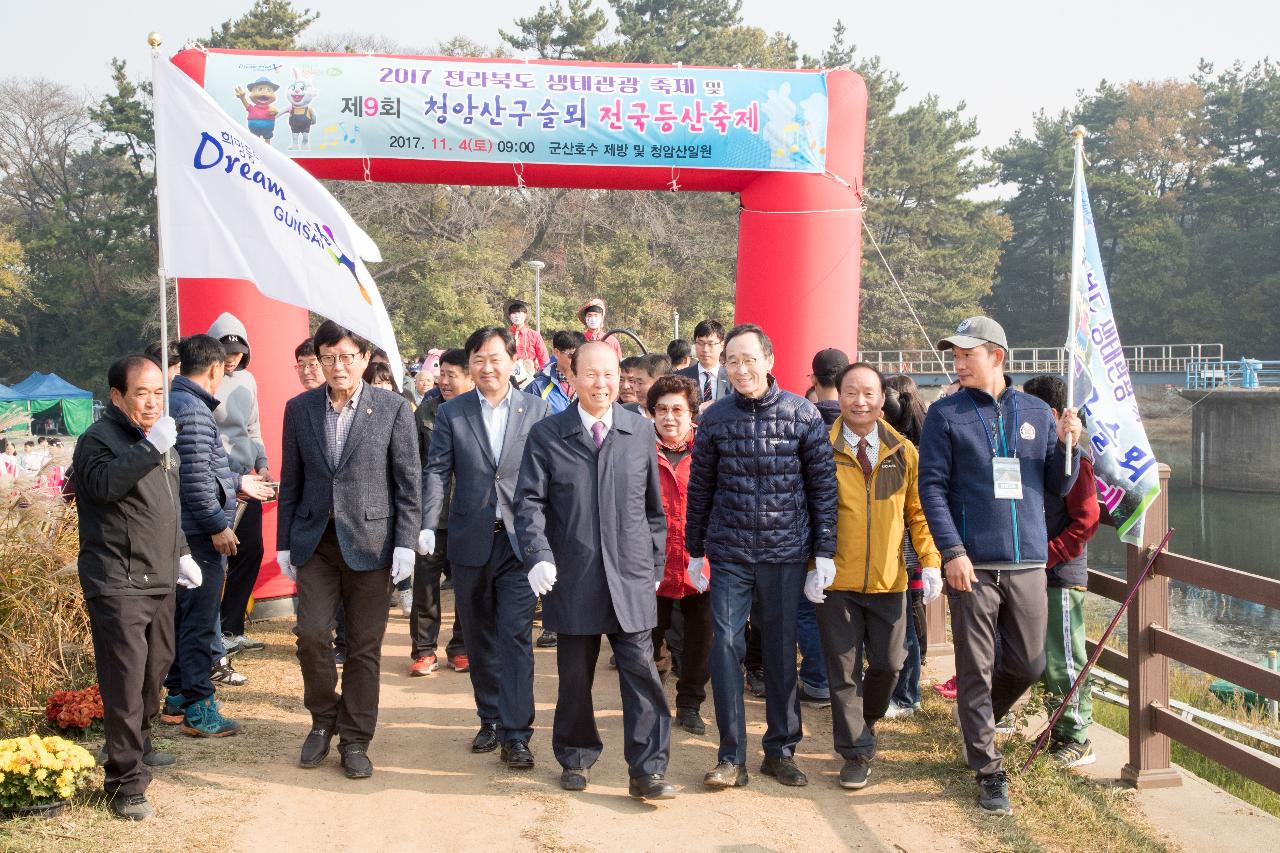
(405, 597)
(895, 710)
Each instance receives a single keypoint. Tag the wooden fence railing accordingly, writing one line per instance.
(1152, 644)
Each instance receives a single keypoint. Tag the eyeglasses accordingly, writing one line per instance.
(308, 366)
(345, 358)
(748, 362)
(707, 343)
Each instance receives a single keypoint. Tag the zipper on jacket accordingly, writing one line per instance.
(1013, 504)
(866, 572)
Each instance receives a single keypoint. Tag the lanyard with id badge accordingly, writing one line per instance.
(1006, 471)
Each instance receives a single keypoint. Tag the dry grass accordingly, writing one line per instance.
(44, 629)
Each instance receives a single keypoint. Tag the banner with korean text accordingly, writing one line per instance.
(371, 106)
(1124, 466)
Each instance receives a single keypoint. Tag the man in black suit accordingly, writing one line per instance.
(348, 520)
(707, 371)
(478, 441)
(592, 529)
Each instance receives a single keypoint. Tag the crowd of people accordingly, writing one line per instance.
(705, 521)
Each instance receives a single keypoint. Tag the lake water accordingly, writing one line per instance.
(1234, 529)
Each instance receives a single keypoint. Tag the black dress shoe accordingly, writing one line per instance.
(691, 721)
(575, 778)
(651, 787)
(726, 774)
(315, 748)
(516, 755)
(356, 763)
(784, 770)
(486, 740)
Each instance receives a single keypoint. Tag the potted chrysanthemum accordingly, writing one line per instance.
(39, 775)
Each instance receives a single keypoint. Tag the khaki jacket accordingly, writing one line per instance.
(872, 516)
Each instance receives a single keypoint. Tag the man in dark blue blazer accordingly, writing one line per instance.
(478, 441)
(593, 534)
(348, 520)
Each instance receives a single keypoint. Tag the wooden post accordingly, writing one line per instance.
(935, 617)
(1149, 752)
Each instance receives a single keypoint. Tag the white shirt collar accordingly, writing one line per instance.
(588, 420)
(506, 401)
(851, 439)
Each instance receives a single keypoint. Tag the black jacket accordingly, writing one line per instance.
(762, 484)
(128, 504)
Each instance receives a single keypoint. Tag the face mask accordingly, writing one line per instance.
(518, 318)
(595, 321)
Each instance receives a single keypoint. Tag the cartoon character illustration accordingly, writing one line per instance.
(258, 103)
(299, 95)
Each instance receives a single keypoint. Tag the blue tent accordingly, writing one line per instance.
(42, 392)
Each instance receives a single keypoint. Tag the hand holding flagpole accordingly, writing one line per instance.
(1077, 267)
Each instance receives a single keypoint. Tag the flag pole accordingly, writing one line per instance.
(1077, 264)
(154, 40)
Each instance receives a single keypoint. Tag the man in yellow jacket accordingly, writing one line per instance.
(864, 607)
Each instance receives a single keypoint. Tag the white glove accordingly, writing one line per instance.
(813, 588)
(932, 578)
(189, 574)
(164, 434)
(426, 542)
(287, 568)
(401, 564)
(697, 576)
(542, 577)
(825, 568)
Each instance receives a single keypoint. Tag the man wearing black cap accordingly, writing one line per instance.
(237, 417)
(989, 454)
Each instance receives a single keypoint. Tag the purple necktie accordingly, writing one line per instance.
(597, 433)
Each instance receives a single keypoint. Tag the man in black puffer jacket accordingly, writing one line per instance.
(762, 504)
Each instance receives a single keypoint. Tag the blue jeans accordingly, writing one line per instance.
(908, 690)
(813, 663)
(779, 587)
(195, 616)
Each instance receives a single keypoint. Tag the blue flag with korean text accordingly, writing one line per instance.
(1124, 466)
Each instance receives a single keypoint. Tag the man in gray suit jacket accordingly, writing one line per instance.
(348, 513)
(479, 441)
(593, 534)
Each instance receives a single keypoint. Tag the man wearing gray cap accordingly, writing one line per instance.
(988, 456)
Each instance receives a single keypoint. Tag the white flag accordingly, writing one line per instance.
(232, 207)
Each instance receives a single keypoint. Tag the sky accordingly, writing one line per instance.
(1004, 60)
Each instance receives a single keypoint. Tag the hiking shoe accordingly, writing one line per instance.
(994, 796)
(172, 714)
(405, 597)
(204, 719)
(691, 721)
(460, 663)
(1068, 753)
(547, 639)
(784, 769)
(225, 673)
(947, 689)
(812, 700)
(242, 643)
(895, 711)
(726, 774)
(1007, 725)
(131, 806)
(755, 682)
(854, 774)
(424, 665)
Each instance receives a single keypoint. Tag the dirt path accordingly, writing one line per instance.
(428, 789)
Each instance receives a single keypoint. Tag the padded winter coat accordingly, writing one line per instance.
(208, 483)
(762, 484)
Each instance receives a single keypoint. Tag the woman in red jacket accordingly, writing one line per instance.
(672, 402)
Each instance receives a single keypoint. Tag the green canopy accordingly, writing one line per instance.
(42, 393)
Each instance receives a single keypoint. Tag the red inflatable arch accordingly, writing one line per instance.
(799, 247)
